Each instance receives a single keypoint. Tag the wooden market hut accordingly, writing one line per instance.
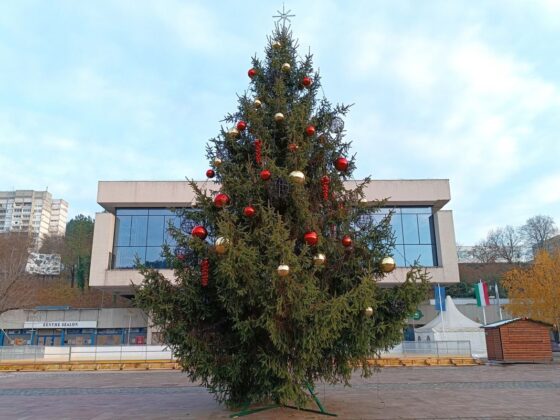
(518, 340)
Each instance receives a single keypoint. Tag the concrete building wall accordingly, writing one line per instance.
(168, 194)
(105, 317)
(59, 217)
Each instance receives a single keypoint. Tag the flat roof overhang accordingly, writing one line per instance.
(400, 192)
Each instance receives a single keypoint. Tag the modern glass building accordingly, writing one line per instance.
(134, 227)
(136, 215)
(140, 235)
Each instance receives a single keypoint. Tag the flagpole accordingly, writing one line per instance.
(441, 309)
(498, 300)
(482, 303)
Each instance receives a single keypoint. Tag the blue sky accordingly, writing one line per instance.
(111, 90)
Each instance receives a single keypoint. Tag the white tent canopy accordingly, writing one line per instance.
(452, 325)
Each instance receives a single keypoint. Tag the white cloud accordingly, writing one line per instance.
(546, 189)
(470, 112)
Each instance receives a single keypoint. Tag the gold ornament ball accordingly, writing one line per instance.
(286, 67)
(276, 45)
(283, 270)
(368, 312)
(279, 117)
(319, 259)
(221, 245)
(388, 264)
(257, 103)
(217, 162)
(233, 133)
(297, 177)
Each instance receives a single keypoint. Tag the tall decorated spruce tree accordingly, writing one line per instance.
(277, 267)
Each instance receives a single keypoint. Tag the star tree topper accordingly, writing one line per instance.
(283, 16)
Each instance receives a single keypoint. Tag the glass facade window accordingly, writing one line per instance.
(413, 229)
(141, 233)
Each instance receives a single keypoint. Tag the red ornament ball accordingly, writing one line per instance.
(221, 200)
(200, 232)
(252, 73)
(310, 130)
(346, 241)
(307, 81)
(341, 164)
(292, 147)
(241, 125)
(210, 173)
(265, 174)
(249, 211)
(311, 238)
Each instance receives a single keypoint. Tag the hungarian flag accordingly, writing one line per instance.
(481, 292)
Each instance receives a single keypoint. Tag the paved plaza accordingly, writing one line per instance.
(492, 392)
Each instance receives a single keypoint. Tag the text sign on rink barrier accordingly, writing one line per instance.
(59, 324)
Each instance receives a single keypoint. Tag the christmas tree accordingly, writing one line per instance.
(277, 272)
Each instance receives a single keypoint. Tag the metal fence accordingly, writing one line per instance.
(432, 348)
(149, 353)
(83, 353)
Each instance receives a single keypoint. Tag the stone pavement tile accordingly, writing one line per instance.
(520, 391)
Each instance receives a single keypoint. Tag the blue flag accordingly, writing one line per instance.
(439, 294)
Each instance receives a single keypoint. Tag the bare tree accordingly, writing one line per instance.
(482, 252)
(537, 230)
(16, 289)
(506, 243)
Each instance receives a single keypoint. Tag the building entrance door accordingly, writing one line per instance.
(48, 340)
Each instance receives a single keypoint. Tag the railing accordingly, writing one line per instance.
(147, 353)
(432, 348)
(83, 353)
